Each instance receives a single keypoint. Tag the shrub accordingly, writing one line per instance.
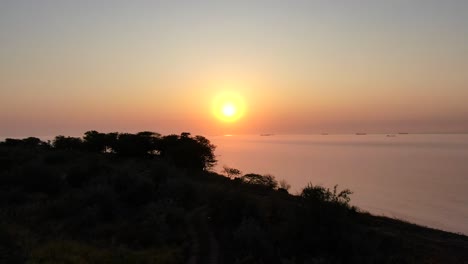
(40, 178)
(283, 184)
(78, 176)
(231, 172)
(318, 193)
(267, 180)
(134, 189)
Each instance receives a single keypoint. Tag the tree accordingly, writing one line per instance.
(231, 172)
(151, 141)
(135, 145)
(206, 152)
(188, 152)
(12, 142)
(263, 180)
(67, 143)
(283, 184)
(95, 141)
(32, 142)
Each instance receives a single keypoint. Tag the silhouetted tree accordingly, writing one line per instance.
(112, 141)
(95, 141)
(32, 142)
(188, 152)
(140, 144)
(283, 184)
(231, 172)
(263, 180)
(12, 142)
(29, 142)
(205, 150)
(151, 140)
(67, 143)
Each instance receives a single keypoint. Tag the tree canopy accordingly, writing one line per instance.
(184, 150)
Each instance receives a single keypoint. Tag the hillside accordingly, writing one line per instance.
(147, 198)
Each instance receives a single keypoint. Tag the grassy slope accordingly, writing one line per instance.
(72, 207)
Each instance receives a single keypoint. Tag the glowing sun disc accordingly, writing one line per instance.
(228, 107)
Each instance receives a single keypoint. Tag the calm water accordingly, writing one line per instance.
(419, 178)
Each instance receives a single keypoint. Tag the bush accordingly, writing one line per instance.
(318, 193)
(78, 176)
(40, 178)
(267, 180)
(134, 189)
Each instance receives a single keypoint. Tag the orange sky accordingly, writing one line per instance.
(300, 67)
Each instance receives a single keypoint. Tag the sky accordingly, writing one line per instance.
(298, 67)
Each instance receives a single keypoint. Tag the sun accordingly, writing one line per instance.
(228, 107)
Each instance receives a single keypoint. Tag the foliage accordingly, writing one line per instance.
(284, 185)
(231, 172)
(188, 152)
(185, 151)
(134, 145)
(37, 178)
(67, 143)
(29, 142)
(267, 180)
(97, 142)
(321, 194)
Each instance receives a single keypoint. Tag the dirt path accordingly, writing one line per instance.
(204, 248)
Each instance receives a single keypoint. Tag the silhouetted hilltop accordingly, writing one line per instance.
(148, 198)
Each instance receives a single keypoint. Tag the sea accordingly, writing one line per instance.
(419, 178)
